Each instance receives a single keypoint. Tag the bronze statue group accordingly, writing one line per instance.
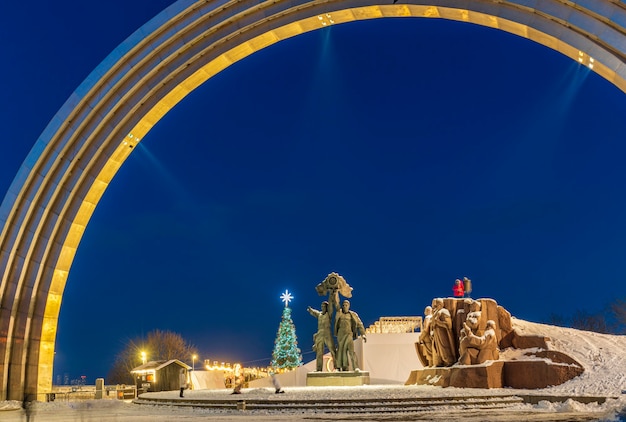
(347, 325)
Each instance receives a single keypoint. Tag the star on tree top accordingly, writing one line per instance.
(286, 297)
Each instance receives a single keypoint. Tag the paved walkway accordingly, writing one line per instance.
(368, 402)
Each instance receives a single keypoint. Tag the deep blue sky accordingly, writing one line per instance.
(401, 153)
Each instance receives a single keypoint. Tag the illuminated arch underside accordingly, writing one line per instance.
(49, 204)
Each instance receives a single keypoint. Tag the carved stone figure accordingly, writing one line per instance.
(464, 358)
(348, 326)
(478, 349)
(443, 350)
(425, 343)
(473, 317)
(324, 336)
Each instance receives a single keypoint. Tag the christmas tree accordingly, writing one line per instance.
(286, 354)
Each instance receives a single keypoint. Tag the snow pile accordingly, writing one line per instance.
(602, 356)
(10, 405)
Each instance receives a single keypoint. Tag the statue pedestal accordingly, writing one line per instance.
(337, 379)
(489, 375)
(540, 369)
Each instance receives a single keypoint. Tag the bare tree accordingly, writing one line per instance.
(158, 345)
(583, 320)
(557, 319)
(618, 309)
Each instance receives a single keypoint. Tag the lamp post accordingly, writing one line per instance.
(143, 357)
(193, 362)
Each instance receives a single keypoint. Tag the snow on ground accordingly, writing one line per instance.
(603, 357)
(117, 411)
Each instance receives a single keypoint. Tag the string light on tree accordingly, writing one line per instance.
(286, 354)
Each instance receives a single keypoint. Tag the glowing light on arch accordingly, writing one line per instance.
(48, 206)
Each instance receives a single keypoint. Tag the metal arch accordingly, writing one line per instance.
(53, 196)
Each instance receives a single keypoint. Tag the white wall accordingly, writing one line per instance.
(389, 358)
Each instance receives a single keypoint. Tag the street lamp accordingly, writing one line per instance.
(143, 357)
(193, 362)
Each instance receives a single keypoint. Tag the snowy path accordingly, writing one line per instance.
(117, 411)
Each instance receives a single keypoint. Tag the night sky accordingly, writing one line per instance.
(400, 153)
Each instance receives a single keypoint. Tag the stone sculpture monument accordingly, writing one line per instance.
(460, 346)
(456, 332)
